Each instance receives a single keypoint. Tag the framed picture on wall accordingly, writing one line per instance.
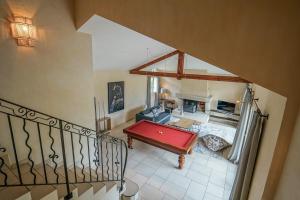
(115, 96)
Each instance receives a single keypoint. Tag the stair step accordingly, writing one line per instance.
(43, 192)
(15, 193)
(81, 187)
(11, 178)
(51, 177)
(37, 191)
(97, 186)
(109, 184)
(5, 157)
(82, 191)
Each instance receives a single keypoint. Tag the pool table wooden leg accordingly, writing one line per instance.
(129, 142)
(181, 161)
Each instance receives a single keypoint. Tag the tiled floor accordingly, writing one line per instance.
(206, 176)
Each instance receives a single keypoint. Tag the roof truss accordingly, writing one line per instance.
(180, 71)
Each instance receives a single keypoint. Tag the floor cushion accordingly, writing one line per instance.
(214, 142)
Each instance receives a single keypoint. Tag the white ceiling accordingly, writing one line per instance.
(117, 47)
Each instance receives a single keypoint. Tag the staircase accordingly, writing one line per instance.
(43, 157)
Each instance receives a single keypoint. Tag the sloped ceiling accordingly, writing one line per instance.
(118, 47)
(256, 40)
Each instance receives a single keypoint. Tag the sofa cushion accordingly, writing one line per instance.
(150, 114)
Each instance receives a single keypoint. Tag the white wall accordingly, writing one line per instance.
(135, 87)
(273, 104)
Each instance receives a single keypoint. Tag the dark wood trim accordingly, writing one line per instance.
(193, 76)
(180, 71)
(215, 78)
(180, 65)
(155, 60)
(161, 74)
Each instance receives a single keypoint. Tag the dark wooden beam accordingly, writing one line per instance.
(155, 61)
(161, 74)
(180, 71)
(193, 76)
(180, 65)
(215, 78)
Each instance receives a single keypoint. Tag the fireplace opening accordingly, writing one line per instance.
(193, 106)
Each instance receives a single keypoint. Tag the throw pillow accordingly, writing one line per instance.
(214, 142)
(155, 112)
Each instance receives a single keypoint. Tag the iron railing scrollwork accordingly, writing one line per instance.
(55, 146)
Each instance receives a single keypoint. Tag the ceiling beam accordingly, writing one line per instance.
(193, 76)
(156, 60)
(215, 78)
(180, 71)
(180, 65)
(161, 74)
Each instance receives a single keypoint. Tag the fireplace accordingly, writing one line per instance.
(190, 105)
(193, 106)
(193, 103)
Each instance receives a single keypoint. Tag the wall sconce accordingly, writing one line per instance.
(23, 31)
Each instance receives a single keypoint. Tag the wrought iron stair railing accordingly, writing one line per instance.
(41, 140)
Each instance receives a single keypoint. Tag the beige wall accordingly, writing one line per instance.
(172, 84)
(135, 93)
(55, 76)
(273, 104)
(219, 90)
(290, 181)
(228, 91)
(256, 40)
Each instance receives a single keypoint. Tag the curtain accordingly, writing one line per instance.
(245, 169)
(148, 95)
(242, 127)
(153, 88)
(157, 92)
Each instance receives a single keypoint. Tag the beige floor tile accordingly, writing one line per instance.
(156, 181)
(149, 192)
(195, 191)
(173, 190)
(215, 190)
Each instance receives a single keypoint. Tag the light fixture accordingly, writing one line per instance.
(23, 31)
(164, 93)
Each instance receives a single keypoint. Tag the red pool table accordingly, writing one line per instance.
(166, 137)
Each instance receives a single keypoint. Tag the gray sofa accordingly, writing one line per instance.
(154, 114)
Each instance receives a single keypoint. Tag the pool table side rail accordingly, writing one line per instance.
(157, 124)
(188, 146)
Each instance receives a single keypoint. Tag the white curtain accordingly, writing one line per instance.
(241, 186)
(242, 127)
(153, 89)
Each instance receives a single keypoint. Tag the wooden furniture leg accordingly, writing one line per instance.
(190, 152)
(181, 161)
(129, 142)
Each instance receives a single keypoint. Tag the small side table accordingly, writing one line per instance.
(131, 191)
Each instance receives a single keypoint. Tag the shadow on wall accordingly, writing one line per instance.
(132, 112)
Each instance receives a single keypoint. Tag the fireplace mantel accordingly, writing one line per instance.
(207, 99)
(194, 97)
